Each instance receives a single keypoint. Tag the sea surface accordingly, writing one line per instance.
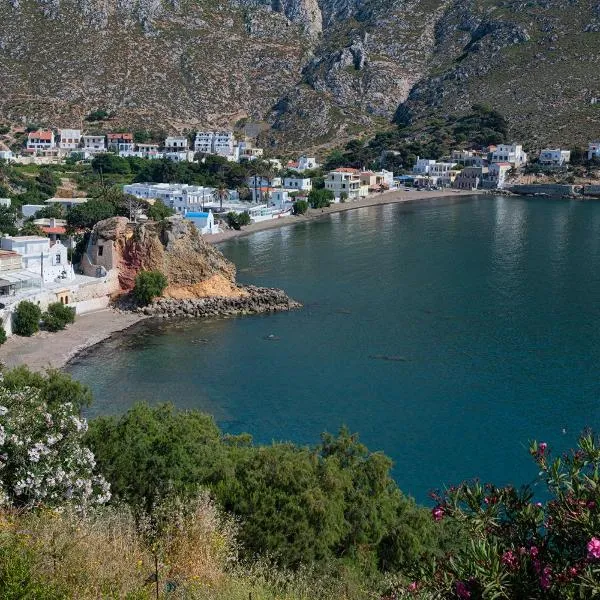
(448, 333)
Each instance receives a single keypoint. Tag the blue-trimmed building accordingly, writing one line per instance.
(204, 221)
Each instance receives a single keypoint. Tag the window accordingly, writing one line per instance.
(57, 259)
(100, 250)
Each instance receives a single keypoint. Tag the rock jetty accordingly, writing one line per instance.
(253, 300)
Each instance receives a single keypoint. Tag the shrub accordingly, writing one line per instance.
(237, 220)
(149, 285)
(320, 198)
(58, 316)
(300, 207)
(2, 335)
(27, 318)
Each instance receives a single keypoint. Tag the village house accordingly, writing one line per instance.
(29, 210)
(221, 143)
(182, 198)
(594, 150)
(470, 178)
(247, 151)
(177, 144)
(41, 141)
(280, 199)
(377, 181)
(40, 256)
(509, 153)
(120, 142)
(468, 158)
(93, 144)
(423, 166)
(6, 155)
(204, 222)
(67, 203)
(5, 202)
(263, 181)
(345, 183)
(149, 151)
(497, 175)
(303, 184)
(554, 157)
(69, 139)
(56, 230)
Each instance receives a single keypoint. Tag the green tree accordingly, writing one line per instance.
(58, 316)
(110, 163)
(159, 211)
(149, 285)
(7, 221)
(320, 198)
(47, 183)
(30, 228)
(300, 207)
(51, 211)
(85, 216)
(27, 318)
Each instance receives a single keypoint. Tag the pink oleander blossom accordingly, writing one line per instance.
(413, 587)
(533, 551)
(437, 513)
(542, 448)
(510, 559)
(546, 578)
(462, 590)
(593, 548)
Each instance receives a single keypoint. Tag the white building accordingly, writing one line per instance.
(93, 144)
(261, 181)
(6, 155)
(204, 222)
(303, 184)
(305, 163)
(5, 202)
(70, 139)
(593, 150)
(180, 197)
(422, 166)
(280, 198)
(182, 156)
(177, 144)
(248, 151)
(41, 140)
(41, 257)
(67, 202)
(29, 210)
(221, 143)
(345, 182)
(510, 153)
(468, 158)
(497, 175)
(555, 157)
(120, 142)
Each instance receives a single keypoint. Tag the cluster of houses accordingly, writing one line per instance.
(67, 142)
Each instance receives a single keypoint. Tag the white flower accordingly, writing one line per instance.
(3, 410)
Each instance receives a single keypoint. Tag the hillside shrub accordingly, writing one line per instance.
(149, 285)
(27, 318)
(58, 316)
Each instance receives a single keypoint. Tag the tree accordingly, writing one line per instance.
(159, 211)
(46, 183)
(300, 207)
(85, 216)
(27, 318)
(7, 221)
(320, 198)
(149, 285)
(238, 220)
(220, 194)
(110, 163)
(51, 211)
(58, 316)
(30, 228)
(2, 335)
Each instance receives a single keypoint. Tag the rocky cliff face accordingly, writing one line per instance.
(194, 269)
(313, 72)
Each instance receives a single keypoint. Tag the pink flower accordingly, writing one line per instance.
(593, 548)
(413, 586)
(438, 513)
(542, 447)
(509, 559)
(538, 504)
(546, 578)
(462, 590)
(533, 551)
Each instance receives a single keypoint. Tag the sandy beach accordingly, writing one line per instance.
(393, 197)
(53, 350)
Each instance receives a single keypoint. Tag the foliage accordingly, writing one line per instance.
(110, 163)
(30, 228)
(97, 115)
(2, 334)
(27, 318)
(58, 316)
(86, 215)
(159, 211)
(51, 211)
(514, 547)
(47, 183)
(7, 221)
(320, 198)
(149, 285)
(335, 501)
(300, 207)
(237, 220)
(43, 458)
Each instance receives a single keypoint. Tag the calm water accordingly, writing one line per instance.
(489, 307)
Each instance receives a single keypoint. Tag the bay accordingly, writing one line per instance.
(447, 333)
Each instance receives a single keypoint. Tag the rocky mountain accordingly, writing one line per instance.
(310, 73)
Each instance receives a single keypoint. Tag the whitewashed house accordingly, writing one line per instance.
(182, 198)
(221, 143)
(93, 144)
(67, 203)
(305, 163)
(29, 210)
(5, 202)
(345, 182)
(510, 153)
(302, 184)
(423, 166)
(248, 151)
(177, 143)
(70, 140)
(204, 222)
(280, 198)
(40, 256)
(41, 141)
(261, 181)
(6, 155)
(148, 151)
(555, 157)
(120, 142)
(497, 175)
(594, 150)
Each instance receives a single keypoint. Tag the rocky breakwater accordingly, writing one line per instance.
(252, 300)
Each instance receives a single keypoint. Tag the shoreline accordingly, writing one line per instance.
(46, 350)
(394, 197)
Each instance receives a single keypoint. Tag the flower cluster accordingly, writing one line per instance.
(42, 457)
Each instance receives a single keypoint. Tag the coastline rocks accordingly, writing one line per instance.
(255, 300)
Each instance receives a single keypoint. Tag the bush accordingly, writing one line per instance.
(58, 316)
(237, 220)
(300, 207)
(27, 318)
(2, 335)
(320, 198)
(149, 285)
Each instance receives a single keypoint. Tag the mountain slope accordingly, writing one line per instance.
(314, 72)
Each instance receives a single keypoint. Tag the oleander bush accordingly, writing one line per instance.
(149, 285)
(27, 318)
(58, 316)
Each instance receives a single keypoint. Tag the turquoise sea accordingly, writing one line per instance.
(447, 333)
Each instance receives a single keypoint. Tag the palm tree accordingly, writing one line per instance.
(221, 193)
